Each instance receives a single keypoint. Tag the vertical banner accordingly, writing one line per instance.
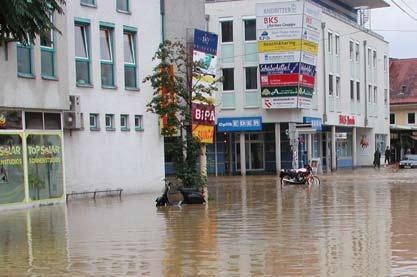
(204, 81)
(288, 35)
(168, 97)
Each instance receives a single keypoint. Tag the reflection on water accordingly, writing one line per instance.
(353, 225)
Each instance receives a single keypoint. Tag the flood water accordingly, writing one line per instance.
(361, 223)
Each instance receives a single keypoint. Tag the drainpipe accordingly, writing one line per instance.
(366, 82)
(323, 27)
(162, 7)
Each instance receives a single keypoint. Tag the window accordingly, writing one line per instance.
(358, 91)
(374, 59)
(110, 122)
(337, 44)
(392, 118)
(106, 57)
(122, 5)
(139, 122)
(369, 57)
(329, 42)
(357, 52)
(52, 121)
(330, 84)
(47, 53)
(250, 29)
(352, 90)
(124, 122)
(385, 97)
(130, 59)
(351, 50)
(88, 2)
(380, 142)
(24, 59)
(94, 121)
(227, 31)
(375, 95)
(228, 79)
(251, 74)
(411, 118)
(34, 120)
(369, 93)
(82, 55)
(337, 86)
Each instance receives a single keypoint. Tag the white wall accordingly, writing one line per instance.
(130, 160)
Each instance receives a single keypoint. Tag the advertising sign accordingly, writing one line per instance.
(204, 80)
(315, 122)
(288, 36)
(239, 124)
(347, 120)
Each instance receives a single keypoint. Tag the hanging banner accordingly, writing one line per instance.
(288, 35)
(204, 81)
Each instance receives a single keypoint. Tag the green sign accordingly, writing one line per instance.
(287, 91)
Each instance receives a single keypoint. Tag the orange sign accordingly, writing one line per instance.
(204, 133)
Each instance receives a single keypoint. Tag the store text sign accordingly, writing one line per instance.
(238, 124)
(347, 120)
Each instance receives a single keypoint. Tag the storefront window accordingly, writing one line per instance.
(11, 169)
(344, 147)
(44, 166)
(380, 142)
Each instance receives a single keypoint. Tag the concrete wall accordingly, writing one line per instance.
(35, 92)
(132, 160)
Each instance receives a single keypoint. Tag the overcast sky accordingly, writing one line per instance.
(402, 44)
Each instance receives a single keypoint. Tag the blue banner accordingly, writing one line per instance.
(236, 124)
(205, 42)
(307, 69)
(315, 122)
(279, 68)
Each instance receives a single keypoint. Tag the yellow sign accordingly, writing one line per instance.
(279, 45)
(310, 47)
(204, 133)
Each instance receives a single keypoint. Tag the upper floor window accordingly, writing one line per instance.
(337, 86)
(106, 57)
(109, 122)
(139, 122)
(129, 59)
(375, 95)
(82, 55)
(330, 42)
(251, 75)
(352, 89)
(357, 52)
(124, 122)
(330, 84)
(358, 91)
(392, 118)
(337, 44)
(369, 57)
(123, 5)
(351, 50)
(47, 45)
(228, 79)
(227, 31)
(369, 93)
(250, 29)
(94, 121)
(374, 57)
(88, 2)
(24, 59)
(411, 118)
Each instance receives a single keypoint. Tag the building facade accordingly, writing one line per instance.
(348, 116)
(403, 106)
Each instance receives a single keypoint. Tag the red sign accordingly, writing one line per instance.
(203, 114)
(347, 120)
(307, 81)
(273, 80)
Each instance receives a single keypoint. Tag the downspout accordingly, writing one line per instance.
(162, 7)
(366, 82)
(323, 27)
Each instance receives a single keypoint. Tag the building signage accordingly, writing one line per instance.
(204, 79)
(347, 120)
(239, 124)
(315, 122)
(341, 136)
(10, 119)
(288, 36)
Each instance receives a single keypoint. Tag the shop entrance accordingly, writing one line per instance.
(254, 152)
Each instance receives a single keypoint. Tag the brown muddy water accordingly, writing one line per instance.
(361, 223)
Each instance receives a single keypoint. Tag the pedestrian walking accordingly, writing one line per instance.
(387, 156)
(377, 159)
(392, 158)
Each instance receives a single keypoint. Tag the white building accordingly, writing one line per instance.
(349, 105)
(117, 143)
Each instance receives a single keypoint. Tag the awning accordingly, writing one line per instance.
(402, 127)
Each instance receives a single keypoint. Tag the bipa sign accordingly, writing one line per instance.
(203, 114)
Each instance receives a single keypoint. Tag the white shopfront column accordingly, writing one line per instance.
(334, 162)
(278, 146)
(242, 155)
(354, 157)
(309, 147)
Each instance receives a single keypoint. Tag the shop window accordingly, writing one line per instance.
(130, 59)
(34, 120)
(251, 75)
(52, 121)
(380, 142)
(122, 5)
(228, 79)
(44, 166)
(82, 53)
(106, 57)
(411, 118)
(110, 122)
(11, 169)
(24, 60)
(392, 118)
(124, 122)
(227, 31)
(250, 29)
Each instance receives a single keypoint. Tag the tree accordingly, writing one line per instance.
(24, 20)
(171, 81)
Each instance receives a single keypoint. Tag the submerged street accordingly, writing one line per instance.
(360, 223)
